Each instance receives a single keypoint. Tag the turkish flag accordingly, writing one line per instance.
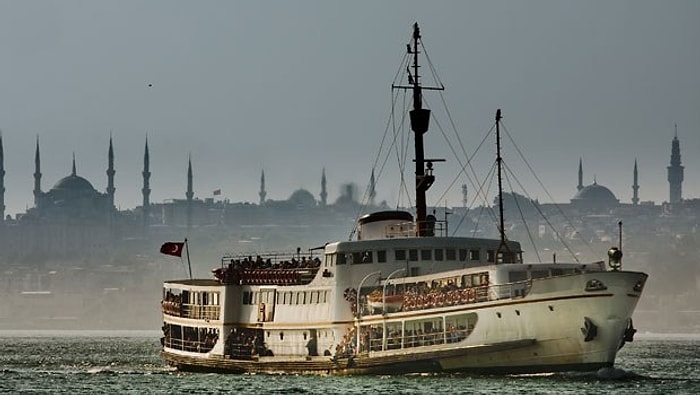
(172, 248)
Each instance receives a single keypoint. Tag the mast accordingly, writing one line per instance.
(499, 162)
(420, 119)
(505, 254)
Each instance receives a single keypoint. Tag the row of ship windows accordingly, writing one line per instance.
(190, 297)
(287, 297)
(412, 255)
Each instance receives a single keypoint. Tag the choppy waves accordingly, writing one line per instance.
(108, 362)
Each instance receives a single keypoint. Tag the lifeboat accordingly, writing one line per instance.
(388, 303)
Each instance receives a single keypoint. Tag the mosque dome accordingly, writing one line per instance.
(73, 183)
(302, 198)
(595, 195)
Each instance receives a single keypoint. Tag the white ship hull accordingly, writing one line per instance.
(541, 332)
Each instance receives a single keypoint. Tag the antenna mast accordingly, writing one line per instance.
(420, 119)
(502, 247)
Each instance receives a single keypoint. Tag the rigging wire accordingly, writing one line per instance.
(559, 209)
(390, 121)
(400, 146)
(522, 215)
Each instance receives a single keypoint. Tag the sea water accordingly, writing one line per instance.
(45, 362)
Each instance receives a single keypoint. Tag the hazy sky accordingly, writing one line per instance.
(292, 87)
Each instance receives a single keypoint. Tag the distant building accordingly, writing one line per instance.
(594, 196)
(675, 172)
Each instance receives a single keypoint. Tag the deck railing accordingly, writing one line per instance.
(411, 339)
(188, 345)
(201, 312)
(193, 311)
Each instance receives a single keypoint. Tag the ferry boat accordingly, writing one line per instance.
(402, 297)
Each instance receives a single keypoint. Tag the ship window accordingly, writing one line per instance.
(328, 260)
(281, 335)
(539, 274)
(517, 276)
(484, 279)
(325, 297)
(400, 255)
(314, 297)
(474, 255)
(186, 297)
(341, 259)
(426, 255)
(366, 257)
(413, 255)
(450, 254)
(381, 256)
(438, 255)
(462, 254)
(490, 256)
(247, 297)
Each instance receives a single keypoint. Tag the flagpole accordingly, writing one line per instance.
(189, 266)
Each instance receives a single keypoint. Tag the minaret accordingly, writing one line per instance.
(324, 193)
(675, 171)
(37, 175)
(73, 172)
(2, 182)
(635, 186)
(189, 193)
(465, 201)
(110, 175)
(580, 174)
(262, 192)
(146, 191)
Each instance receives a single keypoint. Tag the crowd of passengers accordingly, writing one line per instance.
(422, 296)
(172, 304)
(201, 341)
(233, 272)
(347, 346)
(243, 343)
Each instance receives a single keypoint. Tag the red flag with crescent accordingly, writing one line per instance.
(172, 248)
